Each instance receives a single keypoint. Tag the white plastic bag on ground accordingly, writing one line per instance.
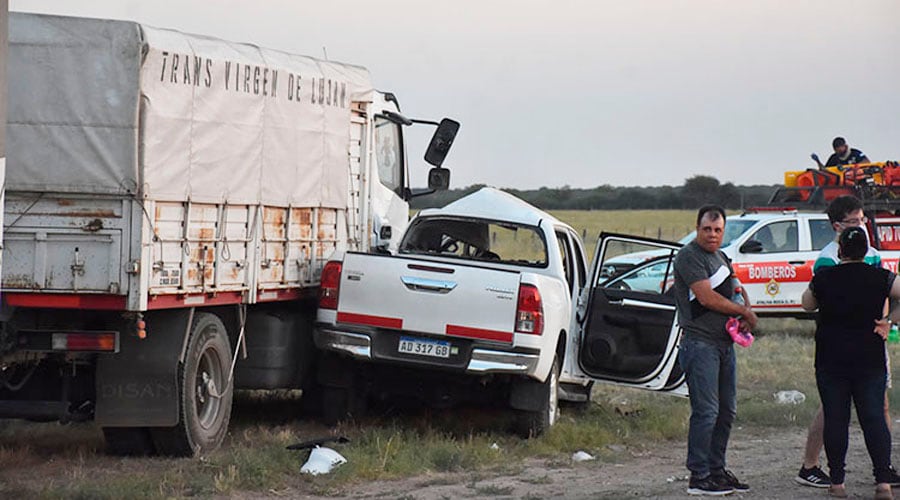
(789, 397)
(322, 461)
(581, 456)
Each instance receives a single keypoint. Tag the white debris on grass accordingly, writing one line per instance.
(789, 397)
(495, 446)
(322, 461)
(582, 456)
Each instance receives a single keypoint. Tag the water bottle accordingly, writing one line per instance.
(737, 297)
(894, 334)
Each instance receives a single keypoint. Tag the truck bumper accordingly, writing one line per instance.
(482, 360)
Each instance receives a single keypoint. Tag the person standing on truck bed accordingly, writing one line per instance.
(843, 212)
(844, 154)
(703, 301)
(850, 356)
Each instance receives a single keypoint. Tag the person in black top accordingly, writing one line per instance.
(844, 154)
(850, 355)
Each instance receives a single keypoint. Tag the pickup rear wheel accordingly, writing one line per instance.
(204, 392)
(533, 423)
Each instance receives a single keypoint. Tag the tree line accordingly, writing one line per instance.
(695, 192)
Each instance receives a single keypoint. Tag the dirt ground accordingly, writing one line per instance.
(768, 462)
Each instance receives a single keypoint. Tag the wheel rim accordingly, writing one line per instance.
(553, 407)
(210, 381)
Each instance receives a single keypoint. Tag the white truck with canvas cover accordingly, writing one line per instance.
(482, 302)
(171, 201)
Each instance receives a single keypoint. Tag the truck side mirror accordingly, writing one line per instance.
(751, 246)
(439, 179)
(440, 143)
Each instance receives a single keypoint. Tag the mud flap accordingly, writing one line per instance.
(137, 387)
(528, 395)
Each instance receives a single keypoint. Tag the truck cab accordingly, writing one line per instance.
(389, 186)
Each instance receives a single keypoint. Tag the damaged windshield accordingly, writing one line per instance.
(476, 239)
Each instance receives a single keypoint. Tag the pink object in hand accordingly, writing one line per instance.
(742, 338)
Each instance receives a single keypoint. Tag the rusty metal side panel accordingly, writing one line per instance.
(299, 246)
(233, 249)
(295, 244)
(270, 273)
(326, 240)
(200, 248)
(64, 243)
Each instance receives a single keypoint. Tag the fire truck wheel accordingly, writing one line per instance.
(204, 393)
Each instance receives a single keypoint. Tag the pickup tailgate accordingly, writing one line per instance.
(438, 298)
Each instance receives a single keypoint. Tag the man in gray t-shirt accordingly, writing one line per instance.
(703, 290)
(693, 264)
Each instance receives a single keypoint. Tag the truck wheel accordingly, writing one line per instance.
(533, 423)
(128, 441)
(204, 394)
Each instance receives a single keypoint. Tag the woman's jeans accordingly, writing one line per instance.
(711, 378)
(867, 392)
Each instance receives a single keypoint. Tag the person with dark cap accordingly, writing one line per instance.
(843, 155)
(850, 356)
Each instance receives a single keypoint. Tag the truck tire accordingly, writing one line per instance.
(128, 441)
(204, 394)
(533, 423)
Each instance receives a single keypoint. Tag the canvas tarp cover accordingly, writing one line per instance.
(100, 106)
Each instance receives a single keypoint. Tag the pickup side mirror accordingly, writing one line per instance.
(751, 246)
(440, 143)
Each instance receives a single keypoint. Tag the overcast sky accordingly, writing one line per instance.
(584, 93)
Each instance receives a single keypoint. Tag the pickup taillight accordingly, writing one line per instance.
(330, 285)
(530, 311)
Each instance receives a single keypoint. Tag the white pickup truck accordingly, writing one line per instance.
(489, 298)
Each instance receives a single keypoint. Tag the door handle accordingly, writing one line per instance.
(797, 262)
(427, 285)
(641, 304)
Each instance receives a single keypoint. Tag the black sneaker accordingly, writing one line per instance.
(729, 479)
(710, 485)
(814, 476)
(894, 478)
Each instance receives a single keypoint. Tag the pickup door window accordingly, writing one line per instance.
(578, 251)
(629, 335)
(565, 253)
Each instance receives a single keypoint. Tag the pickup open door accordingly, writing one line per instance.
(629, 334)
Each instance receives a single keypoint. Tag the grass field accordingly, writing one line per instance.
(54, 461)
(661, 224)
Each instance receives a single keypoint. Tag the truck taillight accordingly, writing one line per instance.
(530, 312)
(330, 285)
(83, 342)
